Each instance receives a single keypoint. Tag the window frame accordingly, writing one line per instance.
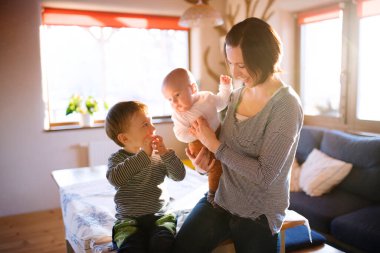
(86, 18)
(356, 124)
(348, 76)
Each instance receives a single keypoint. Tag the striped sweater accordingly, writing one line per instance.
(138, 180)
(256, 156)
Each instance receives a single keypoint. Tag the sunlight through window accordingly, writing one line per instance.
(109, 57)
(321, 48)
(368, 104)
(110, 64)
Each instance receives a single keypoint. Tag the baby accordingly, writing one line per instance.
(180, 88)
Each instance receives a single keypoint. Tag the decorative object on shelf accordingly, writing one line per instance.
(262, 9)
(86, 109)
(200, 14)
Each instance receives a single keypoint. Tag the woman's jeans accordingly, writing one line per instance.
(206, 227)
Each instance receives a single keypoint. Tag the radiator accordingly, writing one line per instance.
(99, 151)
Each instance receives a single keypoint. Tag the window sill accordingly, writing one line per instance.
(73, 127)
(98, 124)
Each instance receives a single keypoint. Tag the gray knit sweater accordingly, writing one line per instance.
(137, 179)
(256, 156)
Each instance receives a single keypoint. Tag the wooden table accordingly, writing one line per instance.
(67, 177)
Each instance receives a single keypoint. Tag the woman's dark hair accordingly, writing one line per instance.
(260, 45)
(119, 117)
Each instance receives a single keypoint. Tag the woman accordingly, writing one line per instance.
(256, 145)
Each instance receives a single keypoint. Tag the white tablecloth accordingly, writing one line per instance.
(89, 211)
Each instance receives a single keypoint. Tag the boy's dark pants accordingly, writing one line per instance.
(144, 235)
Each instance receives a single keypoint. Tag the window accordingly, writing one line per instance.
(368, 104)
(339, 84)
(110, 56)
(321, 43)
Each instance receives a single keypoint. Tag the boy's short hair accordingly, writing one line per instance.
(119, 117)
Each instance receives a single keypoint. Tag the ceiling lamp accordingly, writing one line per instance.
(200, 14)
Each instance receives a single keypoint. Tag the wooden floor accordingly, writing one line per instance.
(40, 232)
(43, 232)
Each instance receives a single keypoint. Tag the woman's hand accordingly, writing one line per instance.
(200, 129)
(201, 161)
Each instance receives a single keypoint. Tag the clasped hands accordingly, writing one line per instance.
(202, 131)
(154, 143)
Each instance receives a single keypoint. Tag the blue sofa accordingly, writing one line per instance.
(349, 215)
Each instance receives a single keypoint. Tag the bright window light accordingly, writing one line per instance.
(321, 50)
(110, 64)
(368, 102)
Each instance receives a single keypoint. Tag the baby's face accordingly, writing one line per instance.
(179, 96)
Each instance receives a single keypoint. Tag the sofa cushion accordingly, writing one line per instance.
(320, 173)
(360, 229)
(298, 238)
(364, 154)
(310, 138)
(320, 211)
(295, 177)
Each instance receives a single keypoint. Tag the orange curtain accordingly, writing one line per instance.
(52, 16)
(319, 15)
(368, 8)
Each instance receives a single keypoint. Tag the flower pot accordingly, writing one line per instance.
(86, 120)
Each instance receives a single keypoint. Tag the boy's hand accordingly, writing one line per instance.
(158, 145)
(226, 80)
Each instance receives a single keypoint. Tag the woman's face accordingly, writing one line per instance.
(237, 67)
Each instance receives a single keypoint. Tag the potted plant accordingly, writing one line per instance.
(86, 108)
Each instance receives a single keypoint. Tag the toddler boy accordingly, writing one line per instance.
(137, 172)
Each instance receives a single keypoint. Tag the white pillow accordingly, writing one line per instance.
(295, 177)
(320, 173)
